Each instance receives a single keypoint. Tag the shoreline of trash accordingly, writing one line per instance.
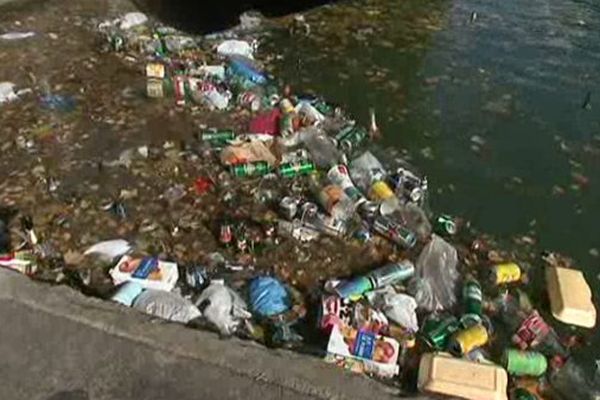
(301, 177)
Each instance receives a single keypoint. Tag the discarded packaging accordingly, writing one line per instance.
(160, 275)
(570, 297)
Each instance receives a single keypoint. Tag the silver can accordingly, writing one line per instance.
(288, 206)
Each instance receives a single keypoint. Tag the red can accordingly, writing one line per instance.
(179, 86)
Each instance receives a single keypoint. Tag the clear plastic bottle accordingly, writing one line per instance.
(322, 148)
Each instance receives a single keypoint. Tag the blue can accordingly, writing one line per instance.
(355, 288)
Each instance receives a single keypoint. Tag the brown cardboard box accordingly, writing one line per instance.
(441, 373)
(570, 297)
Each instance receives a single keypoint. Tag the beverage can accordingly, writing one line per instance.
(354, 288)
(464, 341)
(437, 332)
(155, 88)
(179, 88)
(506, 273)
(351, 137)
(473, 298)
(339, 175)
(524, 363)
(394, 232)
(155, 70)
(258, 168)
(380, 191)
(445, 225)
(392, 273)
(289, 207)
(295, 169)
(220, 135)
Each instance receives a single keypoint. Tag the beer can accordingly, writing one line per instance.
(391, 273)
(292, 170)
(437, 332)
(395, 232)
(465, 340)
(155, 88)
(472, 298)
(445, 225)
(289, 207)
(524, 363)
(155, 70)
(532, 330)
(196, 277)
(226, 234)
(351, 137)
(258, 168)
(221, 135)
(354, 288)
(250, 100)
(505, 273)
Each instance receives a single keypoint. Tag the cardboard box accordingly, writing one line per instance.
(363, 351)
(441, 373)
(570, 297)
(164, 277)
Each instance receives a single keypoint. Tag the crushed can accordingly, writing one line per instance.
(179, 89)
(351, 137)
(505, 273)
(445, 225)
(466, 340)
(437, 332)
(196, 277)
(531, 332)
(218, 135)
(395, 232)
(288, 206)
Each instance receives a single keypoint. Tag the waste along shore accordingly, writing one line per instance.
(294, 229)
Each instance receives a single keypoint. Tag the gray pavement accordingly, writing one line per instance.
(56, 344)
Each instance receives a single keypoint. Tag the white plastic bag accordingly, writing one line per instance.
(109, 249)
(132, 19)
(7, 92)
(166, 305)
(436, 278)
(235, 47)
(398, 307)
(223, 308)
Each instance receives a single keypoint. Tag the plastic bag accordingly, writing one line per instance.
(132, 19)
(109, 249)
(365, 169)
(436, 279)
(398, 307)
(222, 308)
(166, 305)
(239, 47)
(414, 218)
(574, 381)
(269, 297)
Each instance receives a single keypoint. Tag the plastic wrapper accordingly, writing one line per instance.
(365, 169)
(436, 280)
(269, 297)
(247, 153)
(398, 307)
(222, 308)
(415, 220)
(166, 305)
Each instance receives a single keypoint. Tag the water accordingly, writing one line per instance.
(490, 98)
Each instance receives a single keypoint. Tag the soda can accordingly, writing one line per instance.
(445, 225)
(155, 88)
(354, 288)
(437, 332)
(334, 311)
(466, 340)
(155, 70)
(369, 209)
(220, 135)
(250, 100)
(289, 207)
(258, 168)
(532, 331)
(292, 170)
(391, 273)
(505, 273)
(179, 89)
(394, 232)
(524, 363)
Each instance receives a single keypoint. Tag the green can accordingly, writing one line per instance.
(222, 135)
(259, 168)
(525, 363)
(351, 137)
(437, 332)
(523, 394)
(473, 298)
(445, 225)
(294, 169)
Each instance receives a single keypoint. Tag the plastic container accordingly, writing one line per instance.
(570, 297)
(163, 278)
(444, 374)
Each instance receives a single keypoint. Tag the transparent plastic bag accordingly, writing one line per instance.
(166, 305)
(222, 308)
(365, 169)
(398, 307)
(574, 381)
(436, 280)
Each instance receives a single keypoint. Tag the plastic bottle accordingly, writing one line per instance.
(333, 199)
(322, 149)
(369, 175)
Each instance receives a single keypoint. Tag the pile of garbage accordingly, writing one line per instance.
(441, 313)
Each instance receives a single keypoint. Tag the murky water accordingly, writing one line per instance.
(497, 101)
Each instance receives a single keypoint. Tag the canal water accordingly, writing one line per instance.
(498, 102)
